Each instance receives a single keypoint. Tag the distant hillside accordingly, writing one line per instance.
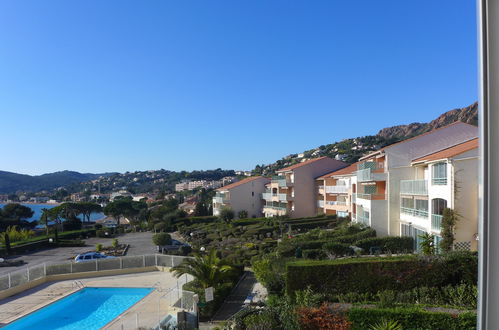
(467, 115)
(350, 150)
(12, 182)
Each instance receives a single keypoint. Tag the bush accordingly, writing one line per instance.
(98, 247)
(349, 239)
(411, 318)
(71, 243)
(321, 318)
(160, 227)
(161, 239)
(243, 214)
(102, 232)
(270, 272)
(114, 243)
(313, 254)
(374, 274)
(338, 249)
(387, 244)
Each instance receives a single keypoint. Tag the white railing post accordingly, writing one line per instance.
(10, 283)
(71, 268)
(121, 263)
(96, 265)
(156, 259)
(44, 269)
(143, 261)
(27, 273)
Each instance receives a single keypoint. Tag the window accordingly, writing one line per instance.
(252, 193)
(439, 174)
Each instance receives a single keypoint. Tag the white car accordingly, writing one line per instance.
(91, 256)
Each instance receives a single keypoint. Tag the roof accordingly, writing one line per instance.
(449, 152)
(241, 182)
(344, 171)
(412, 138)
(295, 166)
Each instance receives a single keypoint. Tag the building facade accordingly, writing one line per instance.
(242, 195)
(292, 191)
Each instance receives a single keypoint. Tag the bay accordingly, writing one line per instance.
(37, 209)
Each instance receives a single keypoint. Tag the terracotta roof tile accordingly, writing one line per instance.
(449, 152)
(343, 171)
(412, 138)
(292, 167)
(238, 183)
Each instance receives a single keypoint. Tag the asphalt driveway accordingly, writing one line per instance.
(140, 243)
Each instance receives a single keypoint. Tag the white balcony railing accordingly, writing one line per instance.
(364, 175)
(337, 189)
(414, 187)
(320, 204)
(282, 197)
(414, 212)
(436, 222)
(341, 203)
(267, 196)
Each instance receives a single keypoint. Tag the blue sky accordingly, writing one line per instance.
(97, 86)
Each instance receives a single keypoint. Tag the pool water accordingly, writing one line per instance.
(89, 308)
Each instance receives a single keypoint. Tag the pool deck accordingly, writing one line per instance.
(144, 314)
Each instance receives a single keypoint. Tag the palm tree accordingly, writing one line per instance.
(209, 270)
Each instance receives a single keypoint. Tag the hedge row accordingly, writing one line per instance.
(349, 239)
(411, 318)
(371, 275)
(386, 244)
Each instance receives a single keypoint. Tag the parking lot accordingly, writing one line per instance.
(140, 243)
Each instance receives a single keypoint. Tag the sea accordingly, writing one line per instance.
(37, 209)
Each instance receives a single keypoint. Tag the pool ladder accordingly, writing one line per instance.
(77, 284)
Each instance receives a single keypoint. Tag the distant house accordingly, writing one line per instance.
(111, 222)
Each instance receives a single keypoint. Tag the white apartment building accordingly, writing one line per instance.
(292, 191)
(242, 195)
(335, 192)
(445, 179)
(379, 175)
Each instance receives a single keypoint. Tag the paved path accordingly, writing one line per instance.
(140, 243)
(235, 301)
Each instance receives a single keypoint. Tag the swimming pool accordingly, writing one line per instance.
(89, 308)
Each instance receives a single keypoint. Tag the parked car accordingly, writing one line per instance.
(91, 256)
(174, 246)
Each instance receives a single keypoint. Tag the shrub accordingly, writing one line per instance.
(313, 254)
(411, 318)
(114, 243)
(160, 227)
(337, 249)
(161, 239)
(98, 247)
(374, 274)
(226, 214)
(270, 272)
(243, 214)
(351, 238)
(321, 318)
(261, 321)
(387, 244)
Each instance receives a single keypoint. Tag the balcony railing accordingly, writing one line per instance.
(414, 212)
(320, 204)
(282, 197)
(436, 222)
(364, 175)
(267, 196)
(281, 181)
(371, 197)
(354, 198)
(363, 219)
(341, 203)
(414, 187)
(337, 189)
(439, 181)
(219, 200)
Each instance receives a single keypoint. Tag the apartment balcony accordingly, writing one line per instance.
(371, 197)
(219, 200)
(340, 203)
(337, 189)
(414, 187)
(282, 197)
(267, 196)
(436, 222)
(414, 212)
(320, 204)
(281, 181)
(439, 181)
(363, 219)
(321, 189)
(368, 174)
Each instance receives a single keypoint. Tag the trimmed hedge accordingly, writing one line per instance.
(411, 318)
(349, 239)
(387, 244)
(371, 275)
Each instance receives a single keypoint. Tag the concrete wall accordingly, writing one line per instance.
(305, 200)
(248, 197)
